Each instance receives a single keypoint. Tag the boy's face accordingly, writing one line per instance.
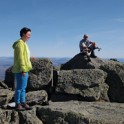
(27, 35)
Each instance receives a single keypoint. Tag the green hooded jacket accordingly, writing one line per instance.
(22, 61)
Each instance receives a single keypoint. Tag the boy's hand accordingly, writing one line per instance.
(23, 74)
(32, 58)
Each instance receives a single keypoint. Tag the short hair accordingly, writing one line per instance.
(85, 36)
(24, 31)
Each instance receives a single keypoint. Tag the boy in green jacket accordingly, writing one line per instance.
(22, 65)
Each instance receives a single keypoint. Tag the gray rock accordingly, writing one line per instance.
(14, 117)
(115, 80)
(79, 61)
(5, 96)
(9, 117)
(36, 97)
(74, 112)
(88, 83)
(114, 69)
(9, 78)
(29, 117)
(41, 75)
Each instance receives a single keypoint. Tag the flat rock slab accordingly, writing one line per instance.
(71, 112)
(75, 112)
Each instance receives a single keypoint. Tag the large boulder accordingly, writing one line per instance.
(114, 70)
(86, 83)
(80, 61)
(9, 78)
(41, 75)
(115, 80)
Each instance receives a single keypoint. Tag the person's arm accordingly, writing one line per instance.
(20, 57)
(90, 42)
(84, 45)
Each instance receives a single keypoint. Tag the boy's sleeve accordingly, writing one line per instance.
(20, 57)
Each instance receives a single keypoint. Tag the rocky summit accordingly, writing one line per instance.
(79, 92)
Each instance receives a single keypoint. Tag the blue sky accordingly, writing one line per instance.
(58, 26)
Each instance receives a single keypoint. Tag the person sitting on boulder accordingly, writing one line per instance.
(87, 47)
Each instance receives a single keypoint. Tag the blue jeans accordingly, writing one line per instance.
(20, 88)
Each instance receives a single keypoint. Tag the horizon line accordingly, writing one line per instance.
(63, 57)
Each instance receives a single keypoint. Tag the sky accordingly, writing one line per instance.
(57, 26)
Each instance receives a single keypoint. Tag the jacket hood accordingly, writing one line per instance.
(14, 45)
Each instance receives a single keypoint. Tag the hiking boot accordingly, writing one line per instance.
(45, 103)
(93, 54)
(26, 106)
(19, 107)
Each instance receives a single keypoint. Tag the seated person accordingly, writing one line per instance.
(87, 47)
